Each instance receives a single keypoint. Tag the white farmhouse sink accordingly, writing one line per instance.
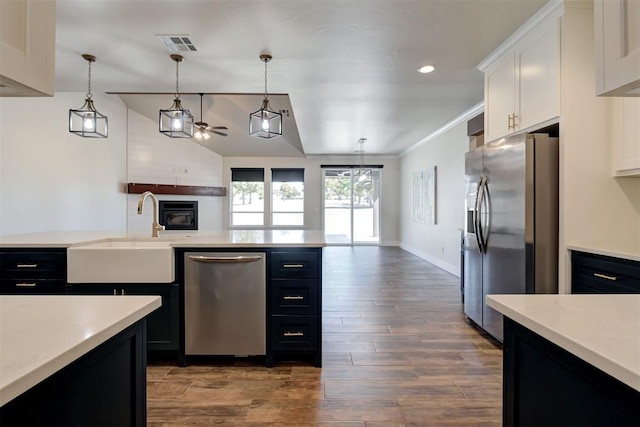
(121, 261)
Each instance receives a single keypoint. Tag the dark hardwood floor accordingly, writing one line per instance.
(397, 352)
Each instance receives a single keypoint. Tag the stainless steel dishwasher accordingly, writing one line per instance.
(225, 303)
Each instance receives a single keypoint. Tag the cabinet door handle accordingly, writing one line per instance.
(293, 265)
(25, 285)
(509, 126)
(297, 297)
(294, 334)
(606, 276)
(27, 265)
(515, 123)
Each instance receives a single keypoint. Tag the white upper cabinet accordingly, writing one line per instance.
(625, 137)
(27, 47)
(617, 41)
(522, 77)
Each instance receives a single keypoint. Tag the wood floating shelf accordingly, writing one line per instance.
(192, 190)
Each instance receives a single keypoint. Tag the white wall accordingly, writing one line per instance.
(154, 158)
(389, 198)
(597, 211)
(437, 243)
(51, 179)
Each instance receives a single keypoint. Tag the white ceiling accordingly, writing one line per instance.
(347, 66)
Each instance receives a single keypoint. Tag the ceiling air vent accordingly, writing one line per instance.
(178, 43)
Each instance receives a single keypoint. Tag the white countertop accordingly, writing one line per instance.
(603, 329)
(227, 238)
(632, 254)
(39, 335)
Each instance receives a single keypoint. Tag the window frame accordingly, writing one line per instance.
(256, 175)
(286, 173)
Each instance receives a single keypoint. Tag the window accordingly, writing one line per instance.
(287, 197)
(247, 196)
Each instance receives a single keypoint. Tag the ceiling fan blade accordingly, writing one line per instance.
(212, 128)
(218, 132)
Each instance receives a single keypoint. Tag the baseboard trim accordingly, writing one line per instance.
(449, 268)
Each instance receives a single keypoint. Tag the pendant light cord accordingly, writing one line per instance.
(265, 80)
(89, 86)
(177, 80)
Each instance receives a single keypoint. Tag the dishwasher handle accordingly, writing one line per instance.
(225, 259)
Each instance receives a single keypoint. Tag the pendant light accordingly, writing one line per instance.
(87, 121)
(176, 122)
(363, 175)
(265, 123)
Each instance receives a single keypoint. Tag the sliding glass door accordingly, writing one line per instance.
(352, 206)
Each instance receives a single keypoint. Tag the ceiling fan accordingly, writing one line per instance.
(202, 129)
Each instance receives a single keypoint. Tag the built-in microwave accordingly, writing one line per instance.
(179, 215)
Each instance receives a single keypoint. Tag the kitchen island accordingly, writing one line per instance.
(228, 238)
(73, 360)
(570, 359)
(293, 278)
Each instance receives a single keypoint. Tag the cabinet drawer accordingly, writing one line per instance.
(293, 264)
(294, 296)
(593, 273)
(294, 333)
(33, 265)
(18, 286)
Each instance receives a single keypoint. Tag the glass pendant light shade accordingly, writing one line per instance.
(176, 122)
(265, 123)
(87, 121)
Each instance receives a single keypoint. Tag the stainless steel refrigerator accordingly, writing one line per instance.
(510, 240)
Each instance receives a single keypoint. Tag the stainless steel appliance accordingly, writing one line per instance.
(225, 303)
(511, 230)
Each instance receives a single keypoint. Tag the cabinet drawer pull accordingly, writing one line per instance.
(515, 118)
(27, 265)
(293, 265)
(605, 276)
(25, 285)
(294, 334)
(297, 297)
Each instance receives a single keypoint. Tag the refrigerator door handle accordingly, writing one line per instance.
(476, 215)
(482, 208)
(486, 216)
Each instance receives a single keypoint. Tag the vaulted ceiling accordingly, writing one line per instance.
(345, 69)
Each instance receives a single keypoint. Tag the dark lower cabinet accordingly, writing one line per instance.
(27, 271)
(600, 274)
(545, 385)
(162, 324)
(105, 387)
(294, 308)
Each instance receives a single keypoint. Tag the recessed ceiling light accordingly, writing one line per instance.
(426, 69)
